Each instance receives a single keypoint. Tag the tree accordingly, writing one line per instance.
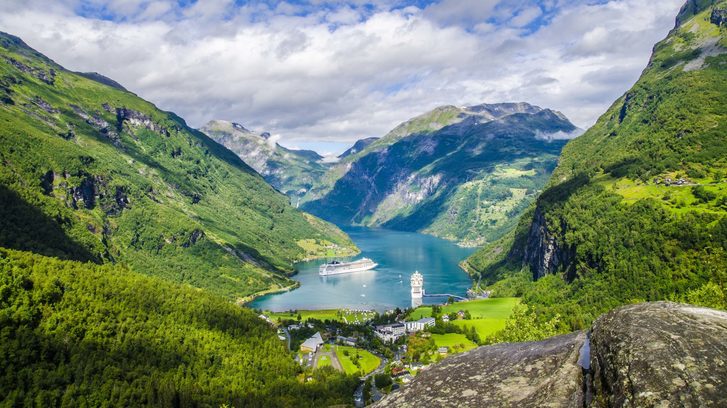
(382, 380)
(523, 325)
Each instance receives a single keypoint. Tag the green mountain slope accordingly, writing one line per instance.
(76, 334)
(637, 208)
(292, 172)
(92, 172)
(463, 174)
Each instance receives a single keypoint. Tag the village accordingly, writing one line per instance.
(386, 351)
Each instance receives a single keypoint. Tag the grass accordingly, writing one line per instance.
(338, 315)
(488, 315)
(323, 362)
(679, 199)
(367, 361)
(457, 343)
(485, 327)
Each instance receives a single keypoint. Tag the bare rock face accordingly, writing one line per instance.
(536, 374)
(660, 355)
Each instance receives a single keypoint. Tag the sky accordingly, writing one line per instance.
(321, 74)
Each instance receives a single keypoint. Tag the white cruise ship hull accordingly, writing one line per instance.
(331, 270)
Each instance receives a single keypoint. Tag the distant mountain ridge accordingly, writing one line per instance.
(358, 146)
(292, 172)
(461, 173)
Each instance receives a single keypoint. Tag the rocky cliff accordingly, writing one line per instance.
(647, 355)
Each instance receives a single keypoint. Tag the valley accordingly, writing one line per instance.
(462, 174)
(513, 259)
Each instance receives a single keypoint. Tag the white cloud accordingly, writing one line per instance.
(344, 72)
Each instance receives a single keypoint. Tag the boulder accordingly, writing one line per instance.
(660, 354)
(535, 374)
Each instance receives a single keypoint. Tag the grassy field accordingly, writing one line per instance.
(325, 314)
(485, 327)
(323, 362)
(488, 315)
(679, 199)
(456, 342)
(367, 362)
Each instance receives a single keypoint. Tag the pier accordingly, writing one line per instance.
(447, 295)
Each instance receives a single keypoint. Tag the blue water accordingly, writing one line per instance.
(398, 254)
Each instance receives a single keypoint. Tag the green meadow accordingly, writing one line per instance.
(488, 315)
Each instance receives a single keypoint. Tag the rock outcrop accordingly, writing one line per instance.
(659, 354)
(719, 17)
(543, 252)
(537, 374)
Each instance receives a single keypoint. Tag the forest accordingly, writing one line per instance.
(81, 334)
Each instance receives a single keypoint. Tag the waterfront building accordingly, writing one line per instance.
(311, 345)
(419, 325)
(390, 332)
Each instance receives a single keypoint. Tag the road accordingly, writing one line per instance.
(287, 336)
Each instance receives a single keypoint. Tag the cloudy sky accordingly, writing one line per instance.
(324, 73)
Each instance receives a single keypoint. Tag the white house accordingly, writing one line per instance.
(419, 325)
(390, 332)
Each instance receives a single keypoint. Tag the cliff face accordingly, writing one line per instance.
(645, 355)
(543, 253)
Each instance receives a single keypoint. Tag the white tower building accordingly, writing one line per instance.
(417, 285)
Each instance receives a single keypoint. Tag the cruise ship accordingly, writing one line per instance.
(338, 268)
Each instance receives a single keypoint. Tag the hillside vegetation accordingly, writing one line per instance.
(93, 172)
(637, 208)
(81, 334)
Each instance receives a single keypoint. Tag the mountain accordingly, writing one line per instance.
(637, 207)
(92, 172)
(292, 172)
(358, 146)
(463, 174)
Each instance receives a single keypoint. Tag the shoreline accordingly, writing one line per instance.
(243, 301)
